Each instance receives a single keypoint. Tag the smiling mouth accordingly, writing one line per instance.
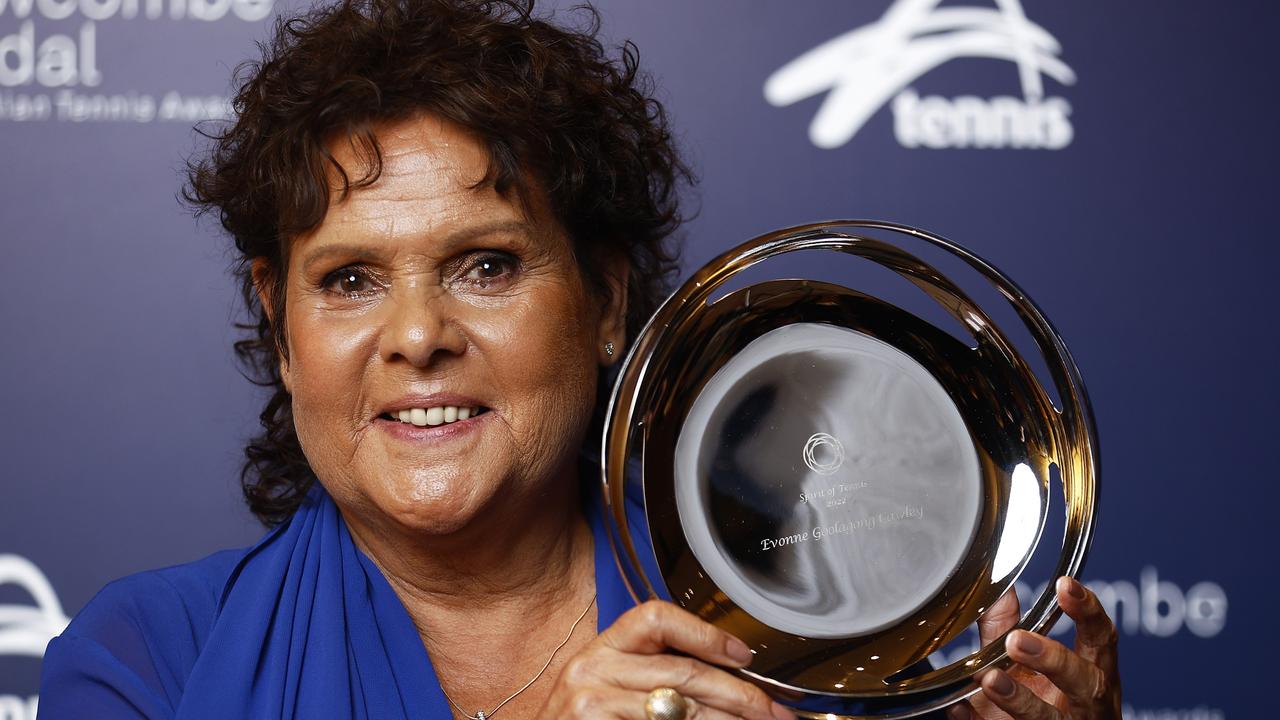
(432, 416)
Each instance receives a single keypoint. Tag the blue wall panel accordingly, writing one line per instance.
(1142, 232)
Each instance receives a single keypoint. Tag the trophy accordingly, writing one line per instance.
(844, 481)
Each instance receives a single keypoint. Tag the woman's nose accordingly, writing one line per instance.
(420, 328)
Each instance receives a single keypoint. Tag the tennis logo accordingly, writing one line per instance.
(823, 453)
(27, 629)
(861, 70)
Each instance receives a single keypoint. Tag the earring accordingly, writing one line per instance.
(608, 348)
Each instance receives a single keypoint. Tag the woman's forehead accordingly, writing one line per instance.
(426, 143)
(431, 185)
(426, 156)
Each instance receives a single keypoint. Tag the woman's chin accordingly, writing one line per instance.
(434, 502)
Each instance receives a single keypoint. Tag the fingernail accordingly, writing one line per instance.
(959, 712)
(1001, 684)
(1027, 643)
(782, 713)
(738, 650)
(1073, 587)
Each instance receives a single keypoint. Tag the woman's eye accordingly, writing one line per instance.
(349, 281)
(490, 268)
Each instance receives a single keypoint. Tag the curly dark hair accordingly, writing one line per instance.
(556, 114)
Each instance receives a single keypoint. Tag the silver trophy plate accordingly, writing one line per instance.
(841, 482)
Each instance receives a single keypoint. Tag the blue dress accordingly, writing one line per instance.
(301, 625)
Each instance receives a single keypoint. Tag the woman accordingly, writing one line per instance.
(451, 217)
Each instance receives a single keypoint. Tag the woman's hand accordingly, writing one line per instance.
(1050, 681)
(613, 675)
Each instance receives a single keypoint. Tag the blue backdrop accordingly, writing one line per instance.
(1115, 158)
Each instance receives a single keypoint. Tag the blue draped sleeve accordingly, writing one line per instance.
(129, 652)
(302, 625)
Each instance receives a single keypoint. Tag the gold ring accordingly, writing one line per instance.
(665, 704)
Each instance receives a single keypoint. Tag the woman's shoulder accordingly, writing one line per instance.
(138, 638)
(186, 593)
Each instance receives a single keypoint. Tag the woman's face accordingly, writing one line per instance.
(427, 297)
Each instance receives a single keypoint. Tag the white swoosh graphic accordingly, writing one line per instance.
(864, 67)
(26, 629)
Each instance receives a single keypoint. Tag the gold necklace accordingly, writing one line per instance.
(481, 714)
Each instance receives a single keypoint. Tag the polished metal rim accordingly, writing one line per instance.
(649, 389)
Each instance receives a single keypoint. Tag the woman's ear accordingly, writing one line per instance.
(612, 331)
(264, 283)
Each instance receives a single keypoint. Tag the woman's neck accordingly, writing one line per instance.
(493, 600)
(514, 550)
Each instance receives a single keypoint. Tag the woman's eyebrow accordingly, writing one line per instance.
(465, 235)
(320, 254)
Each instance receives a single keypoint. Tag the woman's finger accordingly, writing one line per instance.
(1084, 683)
(698, 711)
(999, 618)
(708, 685)
(635, 655)
(655, 626)
(1096, 636)
(603, 702)
(606, 703)
(1016, 699)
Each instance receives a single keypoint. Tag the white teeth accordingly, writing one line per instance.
(443, 414)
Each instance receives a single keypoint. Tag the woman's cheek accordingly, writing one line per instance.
(546, 368)
(328, 356)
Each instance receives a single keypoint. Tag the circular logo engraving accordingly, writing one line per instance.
(823, 453)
